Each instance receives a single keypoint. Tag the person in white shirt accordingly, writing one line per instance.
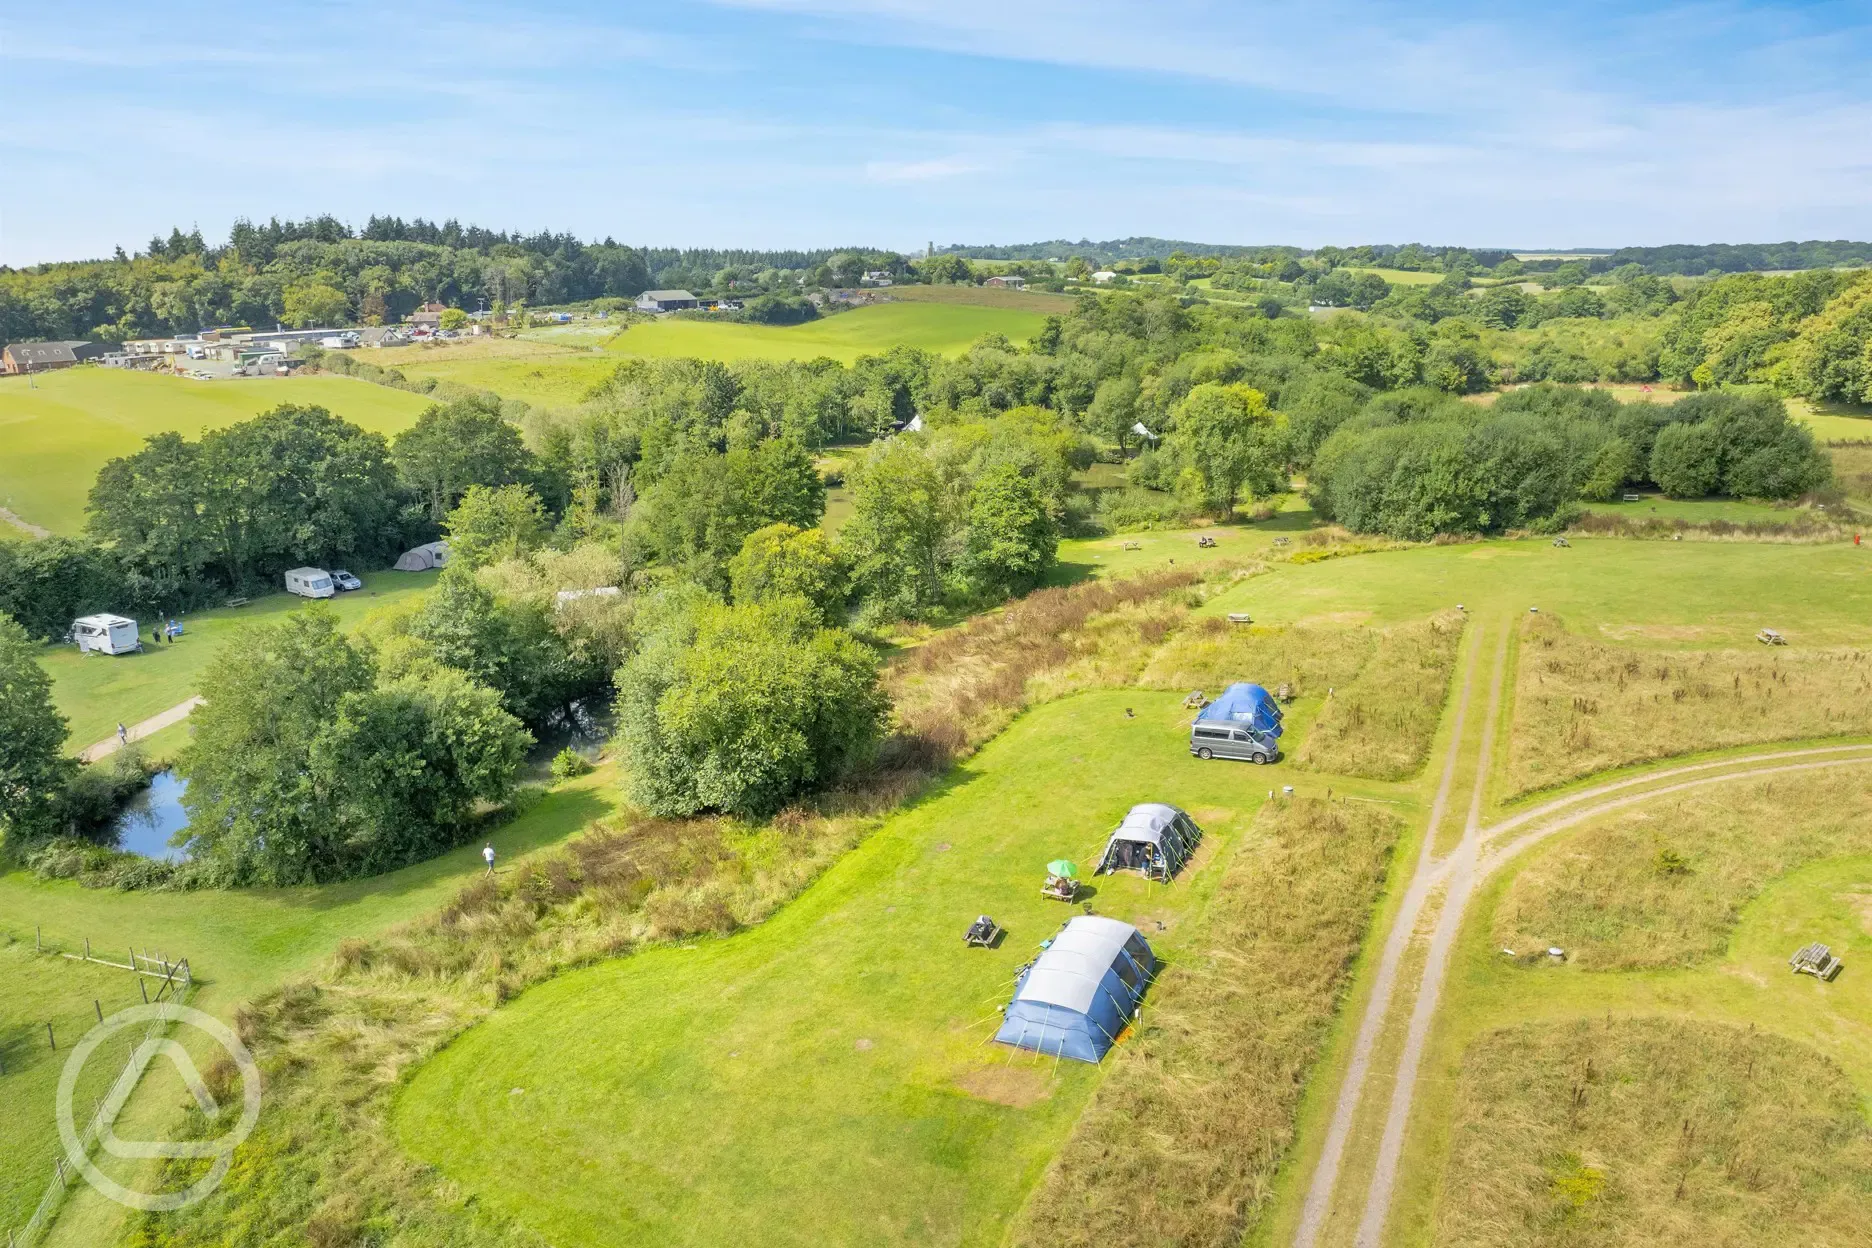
(488, 855)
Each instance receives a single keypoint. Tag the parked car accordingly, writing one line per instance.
(344, 582)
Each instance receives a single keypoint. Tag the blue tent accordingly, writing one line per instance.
(1081, 991)
(1245, 704)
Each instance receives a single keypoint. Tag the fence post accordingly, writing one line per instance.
(143, 986)
(99, 1008)
(87, 948)
(50, 1038)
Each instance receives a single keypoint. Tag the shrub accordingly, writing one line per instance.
(569, 764)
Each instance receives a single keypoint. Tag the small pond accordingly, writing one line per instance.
(147, 823)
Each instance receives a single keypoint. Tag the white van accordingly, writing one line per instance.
(106, 634)
(310, 583)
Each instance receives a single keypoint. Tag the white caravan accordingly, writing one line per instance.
(310, 583)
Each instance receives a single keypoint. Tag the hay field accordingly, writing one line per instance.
(1654, 1132)
(56, 435)
(535, 372)
(1664, 884)
(1583, 706)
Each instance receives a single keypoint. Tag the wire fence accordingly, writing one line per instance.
(160, 980)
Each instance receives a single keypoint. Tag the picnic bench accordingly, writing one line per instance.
(983, 933)
(1285, 693)
(1634, 498)
(1205, 541)
(1060, 888)
(1561, 541)
(1196, 700)
(1240, 617)
(1282, 541)
(238, 602)
(1816, 960)
(1769, 637)
(1133, 546)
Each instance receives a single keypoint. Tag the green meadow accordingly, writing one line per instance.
(57, 433)
(944, 328)
(748, 1089)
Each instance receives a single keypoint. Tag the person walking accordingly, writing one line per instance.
(123, 735)
(488, 855)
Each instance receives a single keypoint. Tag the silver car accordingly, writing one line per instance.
(1212, 740)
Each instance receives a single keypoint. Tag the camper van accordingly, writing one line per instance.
(310, 583)
(106, 634)
(1220, 739)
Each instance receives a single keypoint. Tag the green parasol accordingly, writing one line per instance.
(1063, 867)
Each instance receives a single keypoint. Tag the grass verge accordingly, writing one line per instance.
(1380, 724)
(1654, 1131)
(1182, 1142)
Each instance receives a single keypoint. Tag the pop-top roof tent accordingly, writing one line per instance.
(1081, 991)
(424, 557)
(1154, 838)
(1245, 704)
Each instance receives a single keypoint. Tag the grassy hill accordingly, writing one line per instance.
(55, 435)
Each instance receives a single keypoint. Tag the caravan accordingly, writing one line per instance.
(310, 583)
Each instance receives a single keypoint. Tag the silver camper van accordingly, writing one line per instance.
(1220, 739)
(310, 583)
(105, 634)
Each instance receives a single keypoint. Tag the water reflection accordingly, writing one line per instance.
(147, 823)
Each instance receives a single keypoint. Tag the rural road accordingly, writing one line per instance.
(1453, 880)
(155, 723)
(18, 522)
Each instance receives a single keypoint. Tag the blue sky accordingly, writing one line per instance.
(896, 122)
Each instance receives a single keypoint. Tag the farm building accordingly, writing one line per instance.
(424, 557)
(1007, 282)
(1081, 991)
(429, 316)
(665, 301)
(40, 357)
(1153, 838)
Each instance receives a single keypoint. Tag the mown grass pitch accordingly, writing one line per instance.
(55, 435)
(826, 1076)
(945, 328)
(96, 692)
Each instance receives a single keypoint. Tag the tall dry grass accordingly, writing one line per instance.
(1380, 724)
(1181, 1143)
(1212, 653)
(1650, 1132)
(964, 685)
(1664, 884)
(1583, 706)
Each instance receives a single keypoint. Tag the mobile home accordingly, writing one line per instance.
(105, 634)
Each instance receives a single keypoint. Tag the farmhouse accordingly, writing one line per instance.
(1079, 994)
(665, 301)
(39, 357)
(429, 316)
(1007, 282)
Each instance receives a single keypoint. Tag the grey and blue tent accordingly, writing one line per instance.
(1153, 838)
(1244, 704)
(1081, 991)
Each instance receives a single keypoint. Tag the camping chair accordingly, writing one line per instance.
(1061, 887)
(983, 933)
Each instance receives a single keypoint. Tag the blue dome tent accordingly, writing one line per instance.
(1249, 705)
(1081, 991)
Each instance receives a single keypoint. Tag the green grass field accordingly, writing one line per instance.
(1638, 593)
(240, 943)
(56, 435)
(945, 328)
(538, 372)
(839, 1047)
(96, 692)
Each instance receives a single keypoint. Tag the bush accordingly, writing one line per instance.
(569, 764)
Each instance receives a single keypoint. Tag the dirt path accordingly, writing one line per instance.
(1465, 874)
(1326, 1174)
(154, 724)
(18, 522)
